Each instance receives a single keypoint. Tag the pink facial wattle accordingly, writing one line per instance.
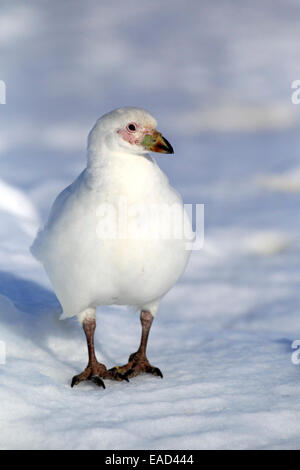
(134, 137)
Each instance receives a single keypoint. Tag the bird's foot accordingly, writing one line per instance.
(95, 371)
(137, 364)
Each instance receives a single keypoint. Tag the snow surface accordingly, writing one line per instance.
(217, 76)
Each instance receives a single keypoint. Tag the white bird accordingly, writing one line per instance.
(115, 235)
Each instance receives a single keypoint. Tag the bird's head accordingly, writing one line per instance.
(129, 130)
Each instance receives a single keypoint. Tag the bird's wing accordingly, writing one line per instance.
(59, 203)
(55, 212)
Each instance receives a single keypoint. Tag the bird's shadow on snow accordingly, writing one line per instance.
(28, 296)
(29, 310)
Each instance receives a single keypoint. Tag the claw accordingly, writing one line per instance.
(75, 381)
(123, 377)
(157, 371)
(118, 375)
(128, 373)
(136, 369)
(154, 370)
(97, 380)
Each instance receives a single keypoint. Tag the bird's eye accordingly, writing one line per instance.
(131, 127)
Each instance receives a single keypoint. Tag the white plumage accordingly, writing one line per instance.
(88, 269)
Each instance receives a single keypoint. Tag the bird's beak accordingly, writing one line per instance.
(155, 142)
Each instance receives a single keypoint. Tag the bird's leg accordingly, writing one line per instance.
(94, 371)
(138, 362)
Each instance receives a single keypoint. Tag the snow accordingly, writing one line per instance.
(223, 335)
